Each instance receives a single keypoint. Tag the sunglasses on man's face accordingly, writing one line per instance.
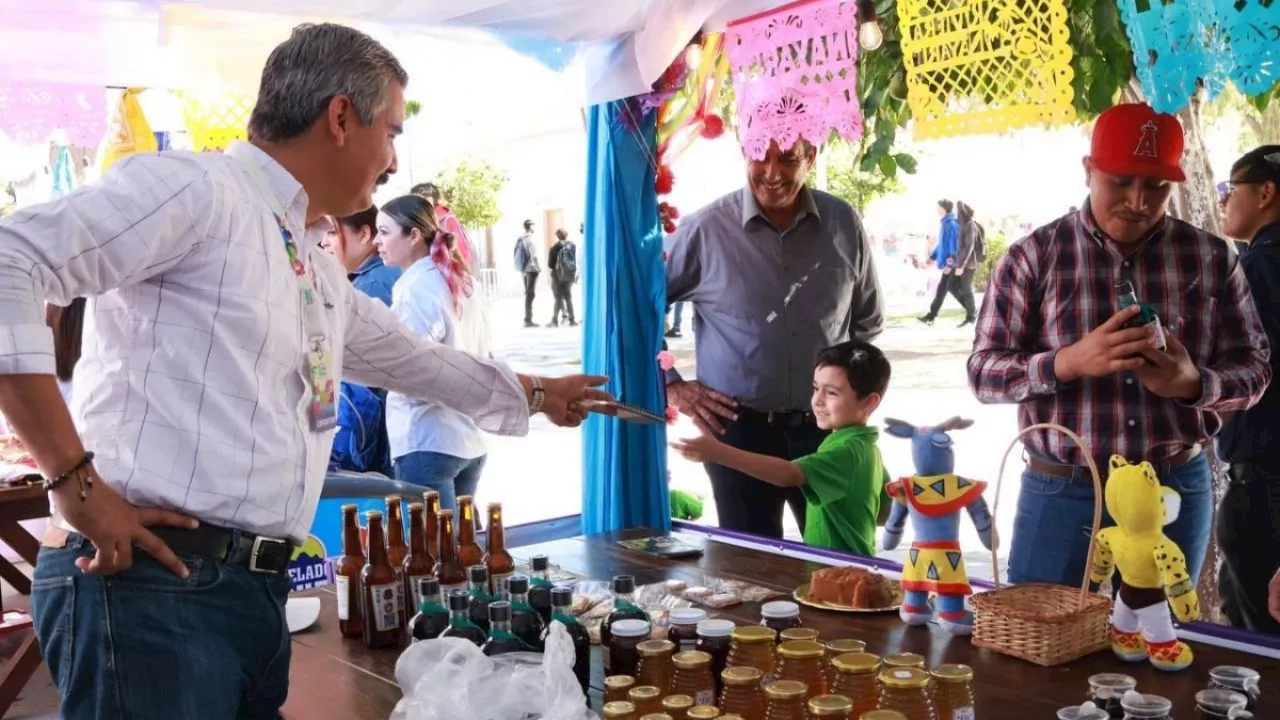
(1225, 189)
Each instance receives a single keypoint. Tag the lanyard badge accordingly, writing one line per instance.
(322, 409)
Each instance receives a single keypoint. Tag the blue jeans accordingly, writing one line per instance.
(146, 644)
(1055, 515)
(448, 475)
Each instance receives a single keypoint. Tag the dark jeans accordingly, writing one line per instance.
(961, 288)
(145, 644)
(448, 475)
(1249, 535)
(564, 300)
(746, 504)
(677, 318)
(530, 289)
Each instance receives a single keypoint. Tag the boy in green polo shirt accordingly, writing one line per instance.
(843, 483)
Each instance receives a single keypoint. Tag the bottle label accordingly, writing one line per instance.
(1158, 331)
(704, 697)
(400, 590)
(417, 591)
(963, 713)
(498, 582)
(344, 596)
(386, 616)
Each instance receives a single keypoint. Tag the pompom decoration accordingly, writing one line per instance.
(672, 415)
(664, 181)
(712, 127)
(666, 360)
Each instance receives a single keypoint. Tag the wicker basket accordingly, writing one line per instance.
(1039, 622)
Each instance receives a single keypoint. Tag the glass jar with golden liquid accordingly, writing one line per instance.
(798, 633)
(693, 677)
(653, 666)
(839, 647)
(677, 706)
(646, 698)
(883, 715)
(904, 660)
(801, 660)
(753, 647)
(704, 712)
(856, 678)
(836, 707)
(953, 692)
(656, 716)
(742, 694)
(619, 711)
(616, 688)
(784, 700)
(906, 689)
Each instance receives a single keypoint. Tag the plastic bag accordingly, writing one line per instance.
(451, 679)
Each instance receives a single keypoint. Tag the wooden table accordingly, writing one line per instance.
(17, 504)
(332, 677)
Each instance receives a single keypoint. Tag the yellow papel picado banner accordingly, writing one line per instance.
(214, 122)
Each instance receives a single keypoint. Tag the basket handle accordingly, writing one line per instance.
(1097, 503)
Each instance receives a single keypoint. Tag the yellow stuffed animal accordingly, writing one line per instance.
(1152, 568)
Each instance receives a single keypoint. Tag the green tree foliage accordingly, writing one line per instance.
(854, 185)
(471, 189)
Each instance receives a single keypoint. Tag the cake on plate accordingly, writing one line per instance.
(851, 587)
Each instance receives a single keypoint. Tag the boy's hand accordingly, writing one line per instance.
(700, 449)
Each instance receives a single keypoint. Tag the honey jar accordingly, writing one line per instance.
(780, 615)
(904, 660)
(616, 688)
(646, 698)
(653, 664)
(906, 689)
(953, 692)
(619, 711)
(753, 647)
(704, 712)
(839, 647)
(625, 637)
(798, 633)
(882, 715)
(677, 706)
(742, 694)
(656, 716)
(801, 660)
(856, 678)
(693, 677)
(784, 700)
(837, 707)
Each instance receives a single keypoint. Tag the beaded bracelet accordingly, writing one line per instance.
(79, 471)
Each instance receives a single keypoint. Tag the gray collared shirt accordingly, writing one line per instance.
(765, 302)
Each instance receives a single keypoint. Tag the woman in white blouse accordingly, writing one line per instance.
(437, 296)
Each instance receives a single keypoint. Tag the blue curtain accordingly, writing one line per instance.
(625, 464)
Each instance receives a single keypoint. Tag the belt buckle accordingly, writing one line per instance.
(263, 560)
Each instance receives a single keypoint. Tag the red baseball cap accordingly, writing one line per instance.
(1133, 139)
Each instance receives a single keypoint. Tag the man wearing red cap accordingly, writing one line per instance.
(1051, 338)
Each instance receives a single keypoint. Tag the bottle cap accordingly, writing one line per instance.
(619, 682)
(953, 673)
(715, 628)
(495, 506)
(784, 689)
(845, 645)
(430, 495)
(624, 584)
(561, 597)
(904, 677)
(393, 500)
(646, 693)
(741, 675)
(655, 648)
(459, 600)
(374, 515)
(800, 649)
(905, 659)
(703, 712)
(753, 634)
(518, 585)
(1135, 701)
(830, 706)
(780, 609)
(499, 611)
(690, 659)
(798, 633)
(415, 507)
(677, 702)
(687, 616)
(656, 716)
(630, 628)
(858, 662)
(478, 573)
(619, 709)
(349, 508)
(1107, 685)
(428, 587)
(539, 563)
(883, 715)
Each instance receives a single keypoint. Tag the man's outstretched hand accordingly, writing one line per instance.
(567, 397)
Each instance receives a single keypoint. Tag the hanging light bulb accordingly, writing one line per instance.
(870, 35)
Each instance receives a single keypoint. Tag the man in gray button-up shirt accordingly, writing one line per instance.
(776, 272)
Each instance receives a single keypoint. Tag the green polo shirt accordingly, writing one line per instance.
(843, 486)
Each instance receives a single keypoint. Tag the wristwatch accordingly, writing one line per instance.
(539, 395)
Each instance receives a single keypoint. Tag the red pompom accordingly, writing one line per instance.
(712, 127)
(664, 181)
(668, 227)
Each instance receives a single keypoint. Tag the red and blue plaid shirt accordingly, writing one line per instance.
(1055, 286)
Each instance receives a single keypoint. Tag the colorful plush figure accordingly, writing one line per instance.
(1151, 568)
(933, 499)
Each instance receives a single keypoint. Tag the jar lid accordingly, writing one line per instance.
(845, 645)
(1220, 700)
(882, 715)
(953, 673)
(904, 677)
(780, 609)
(798, 633)
(1107, 685)
(1087, 711)
(752, 634)
(1140, 702)
(703, 712)
(687, 616)
(786, 689)
(656, 648)
(858, 662)
(677, 702)
(715, 628)
(619, 709)
(656, 716)
(906, 660)
(742, 675)
(800, 649)
(830, 705)
(630, 628)
(644, 692)
(618, 682)
(691, 659)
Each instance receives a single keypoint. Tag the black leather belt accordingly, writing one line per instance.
(261, 554)
(1068, 472)
(777, 418)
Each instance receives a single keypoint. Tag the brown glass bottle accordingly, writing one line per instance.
(418, 565)
(784, 700)
(500, 563)
(677, 706)
(654, 664)
(839, 647)
(742, 693)
(618, 687)
(753, 647)
(397, 551)
(449, 571)
(431, 522)
(383, 627)
(646, 698)
(620, 710)
(906, 689)
(801, 660)
(837, 707)
(469, 552)
(693, 677)
(856, 677)
(953, 692)
(798, 633)
(346, 575)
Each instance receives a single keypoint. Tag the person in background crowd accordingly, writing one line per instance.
(775, 271)
(1050, 337)
(219, 331)
(677, 319)
(562, 262)
(526, 256)
(431, 444)
(944, 256)
(971, 250)
(350, 240)
(446, 220)
(1249, 515)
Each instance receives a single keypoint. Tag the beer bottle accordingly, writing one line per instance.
(396, 553)
(501, 640)
(478, 590)
(431, 522)
(417, 564)
(432, 617)
(500, 563)
(469, 552)
(460, 625)
(347, 576)
(525, 621)
(561, 604)
(448, 570)
(540, 586)
(382, 627)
